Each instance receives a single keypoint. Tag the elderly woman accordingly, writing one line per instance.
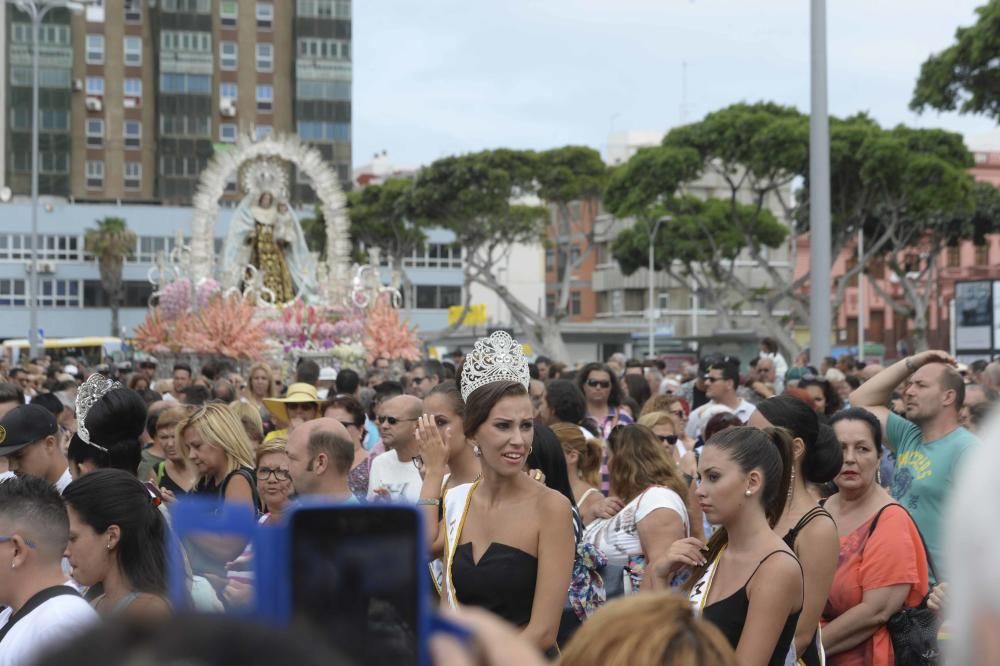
(883, 566)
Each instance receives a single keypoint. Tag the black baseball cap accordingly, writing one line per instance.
(24, 425)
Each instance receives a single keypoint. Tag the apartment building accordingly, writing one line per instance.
(137, 95)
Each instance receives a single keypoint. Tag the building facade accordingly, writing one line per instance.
(136, 96)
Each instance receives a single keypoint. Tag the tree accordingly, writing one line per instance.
(383, 216)
(965, 76)
(111, 243)
(473, 195)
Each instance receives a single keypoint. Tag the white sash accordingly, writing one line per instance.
(699, 592)
(456, 508)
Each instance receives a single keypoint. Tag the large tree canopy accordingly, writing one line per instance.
(965, 76)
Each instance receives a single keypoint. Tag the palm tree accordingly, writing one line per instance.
(111, 243)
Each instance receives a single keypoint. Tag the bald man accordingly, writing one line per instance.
(320, 454)
(393, 475)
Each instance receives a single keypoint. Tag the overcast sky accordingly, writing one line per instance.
(439, 77)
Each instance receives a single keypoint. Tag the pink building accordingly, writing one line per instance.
(968, 261)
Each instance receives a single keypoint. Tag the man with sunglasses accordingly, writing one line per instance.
(394, 474)
(721, 385)
(426, 376)
(41, 610)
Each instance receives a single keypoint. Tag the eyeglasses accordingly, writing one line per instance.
(27, 542)
(348, 424)
(391, 419)
(593, 383)
(264, 473)
(668, 439)
(711, 380)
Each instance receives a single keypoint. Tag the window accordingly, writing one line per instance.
(95, 132)
(227, 132)
(136, 294)
(262, 132)
(95, 86)
(13, 292)
(187, 6)
(550, 259)
(48, 34)
(132, 87)
(95, 174)
(133, 175)
(133, 11)
(228, 13)
(191, 42)
(954, 256)
(185, 125)
(575, 303)
(329, 90)
(265, 98)
(434, 297)
(265, 57)
(133, 51)
(95, 50)
(228, 55)
(48, 77)
(133, 134)
(325, 48)
(186, 83)
(265, 15)
(59, 293)
(324, 131)
(182, 167)
(324, 8)
(983, 254)
(228, 91)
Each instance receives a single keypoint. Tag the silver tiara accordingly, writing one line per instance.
(90, 392)
(498, 358)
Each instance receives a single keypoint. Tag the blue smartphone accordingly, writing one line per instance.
(357, 578)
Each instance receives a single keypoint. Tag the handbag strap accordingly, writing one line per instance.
(927, 553)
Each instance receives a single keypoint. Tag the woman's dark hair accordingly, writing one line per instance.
(770, 451)
(638, 389)
(859, 414)
(833, 401)
(350, 405)
(482, 401)
(547, 455)
(632, 406)
(449, 389)
(720, 422)
(823, 456)
(615, 395)
(566, 401)
(115, 423)
(113, 497)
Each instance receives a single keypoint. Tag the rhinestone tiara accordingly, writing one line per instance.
(90, 392)
(498, 358)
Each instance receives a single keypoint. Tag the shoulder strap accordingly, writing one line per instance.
(248, 477)
(766, 557)
(34, 602)
(161, 470)
(927, 553)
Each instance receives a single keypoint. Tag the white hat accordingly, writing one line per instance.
(71, 369)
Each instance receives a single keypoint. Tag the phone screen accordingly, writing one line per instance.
(354, 574)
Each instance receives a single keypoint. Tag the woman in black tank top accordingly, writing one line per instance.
(745, 581)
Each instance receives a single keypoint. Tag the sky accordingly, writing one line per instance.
(439, 77)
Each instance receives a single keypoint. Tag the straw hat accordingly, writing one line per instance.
(296, 393)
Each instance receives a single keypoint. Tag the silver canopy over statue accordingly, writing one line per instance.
(266, 239)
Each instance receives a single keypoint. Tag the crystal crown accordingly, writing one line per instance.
(90, 392)
(498, 358)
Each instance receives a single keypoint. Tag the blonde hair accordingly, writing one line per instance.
(654, 419)
(658, 403)
(639, 462)
(270, 378)
(648, 629)
(249, 417)
(219, 426)
(276, 445)
(170, 417)
(588, 450)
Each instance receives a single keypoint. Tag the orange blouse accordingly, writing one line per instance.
(892, 555)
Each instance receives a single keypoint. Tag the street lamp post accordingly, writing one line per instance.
(652, 286)
(820, 315)
(37, 10)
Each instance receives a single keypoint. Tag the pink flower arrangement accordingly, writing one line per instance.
(386, 336)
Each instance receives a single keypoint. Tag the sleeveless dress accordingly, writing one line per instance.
(813, 655)
(730, 614)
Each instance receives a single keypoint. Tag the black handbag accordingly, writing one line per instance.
(914, 631)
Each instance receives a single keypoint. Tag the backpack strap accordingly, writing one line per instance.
(34, 602)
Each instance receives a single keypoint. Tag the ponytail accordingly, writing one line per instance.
(775, 495)
(590, 461)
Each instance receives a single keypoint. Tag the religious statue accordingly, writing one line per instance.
(265, 234)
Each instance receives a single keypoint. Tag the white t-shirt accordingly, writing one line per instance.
(695, 424)
(57, 620)
(400, 480)
(618, 537)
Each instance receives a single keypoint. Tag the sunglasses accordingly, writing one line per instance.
(594, 383)
(349, 424)
(391, 419)
(711, 380)
(668, 439)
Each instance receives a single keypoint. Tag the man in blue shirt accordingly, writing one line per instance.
(929, 443)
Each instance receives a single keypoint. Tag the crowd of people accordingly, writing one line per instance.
(611, 513)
